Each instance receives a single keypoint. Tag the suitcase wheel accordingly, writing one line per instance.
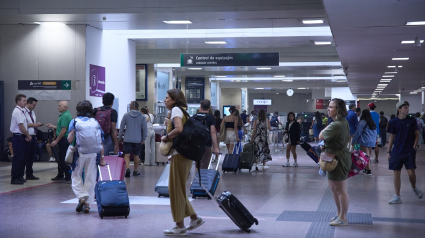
(247, 230)
(125, 216)
(101, 217)
(256, 221)
(249, 170)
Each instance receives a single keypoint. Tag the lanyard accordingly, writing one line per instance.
(30, 113)
(22, 112)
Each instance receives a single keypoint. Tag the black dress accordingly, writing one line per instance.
(294, 132)
(261, 146)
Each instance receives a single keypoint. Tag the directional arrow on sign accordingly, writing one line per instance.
(66, 85)
(193, 111)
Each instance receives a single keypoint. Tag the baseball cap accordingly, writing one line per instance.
(371, 105)
(402, 103)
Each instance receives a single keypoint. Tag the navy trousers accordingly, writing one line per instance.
(18, 163)
(30, 151)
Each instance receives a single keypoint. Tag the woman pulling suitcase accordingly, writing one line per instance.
(179, 168)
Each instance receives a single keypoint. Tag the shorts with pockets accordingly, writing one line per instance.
(397, 161)
(132, 148)
(230, 137)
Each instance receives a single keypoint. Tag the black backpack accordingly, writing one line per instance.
(383, 123)
(202, 117)
(190, 143)
(274, 121)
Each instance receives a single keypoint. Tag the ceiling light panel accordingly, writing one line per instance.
(388, 76)
(178, 22)
(264, 68)
(400, 58)
(215, 42)
(390, 72)
(312, 21)
(393, 66)
(322, 42)
(279, 76)
(194, 68)
(410, 42)
(415, 23)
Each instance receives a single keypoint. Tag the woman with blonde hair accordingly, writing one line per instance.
(259, 138)
(336, 137)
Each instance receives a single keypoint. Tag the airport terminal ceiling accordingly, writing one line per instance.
(363, 36)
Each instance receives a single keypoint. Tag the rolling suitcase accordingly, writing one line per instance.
(161, 186)
(209, 178)
(247, 157)
(236, 211)
(231, 162)
(111, 197)
(311, 151)
(116, 167)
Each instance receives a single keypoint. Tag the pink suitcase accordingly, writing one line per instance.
(116, 166)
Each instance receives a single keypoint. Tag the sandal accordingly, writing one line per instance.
(86, 208)
(80, 205)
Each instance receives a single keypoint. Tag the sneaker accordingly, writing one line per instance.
(364, 171)
(295, 164)
(52, 159)
(195, 223)
(368, 172)
(135, 173)
(175, 231)
(260, 167)
(339, 222)
(127, 173)
(334, 218)
(395, 200)
(375, 161)
(418, 192)
(287, 164)
(265, 167)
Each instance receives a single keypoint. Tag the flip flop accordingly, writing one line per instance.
(80, 205)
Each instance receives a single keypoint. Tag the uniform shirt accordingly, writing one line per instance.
(63, 121)
(31, 130)
(375, 117)
(404, 130)
(18, 117)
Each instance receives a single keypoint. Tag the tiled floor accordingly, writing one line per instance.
(288, 202)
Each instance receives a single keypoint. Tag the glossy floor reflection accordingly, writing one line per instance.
(288, 202)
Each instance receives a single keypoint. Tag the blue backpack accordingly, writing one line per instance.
(274, 122)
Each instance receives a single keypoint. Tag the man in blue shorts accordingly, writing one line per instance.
(404, 137)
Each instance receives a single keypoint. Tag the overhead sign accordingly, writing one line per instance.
(97, 80)
(266, 102)
(44, 84)
(319, 104)
(230, 59)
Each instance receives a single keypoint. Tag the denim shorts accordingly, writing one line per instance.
(397, 161)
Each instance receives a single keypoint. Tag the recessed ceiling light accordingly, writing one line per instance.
(178, 22)
(413, 92)
(258, 88)
(385, 81)
(288, 80)
(322, 42)
(382, 84)
(36, 22)
(415, 23)
(340, 81)
(423, 87)
(379, 89)
(301, 88)
(410, 41)
(338, 76)
(277, 93)
(219, 76)
(388, 76)
(390, 72)
(312, 21)
(279, 76)
(392, 66)
(215, 42)
(264, 68)
(194, 68)
(50, 23)
(400, 58)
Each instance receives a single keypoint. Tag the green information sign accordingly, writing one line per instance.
(44, 84)
(66, 84)
(192, 110)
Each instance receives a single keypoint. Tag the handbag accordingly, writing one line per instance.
(327, 162)
(166, 148)
(69, 157)
(359, 161)
(223, 132)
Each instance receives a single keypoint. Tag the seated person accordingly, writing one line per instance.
(43, 143)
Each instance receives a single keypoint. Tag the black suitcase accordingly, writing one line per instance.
(235, 210)
(209, 178)
(112, 197)
(247, 157)
(231, 162)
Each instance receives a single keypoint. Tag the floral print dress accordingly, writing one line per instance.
(261, 145)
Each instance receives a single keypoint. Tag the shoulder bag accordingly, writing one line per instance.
(223, 131)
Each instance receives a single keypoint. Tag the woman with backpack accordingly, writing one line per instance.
(293, 131)
(365, 136)
(231, 124)
(88, 134)
(179, 167)
(150, 140)
(259, 138)
(317, 126)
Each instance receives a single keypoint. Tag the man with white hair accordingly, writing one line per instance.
(61, 141)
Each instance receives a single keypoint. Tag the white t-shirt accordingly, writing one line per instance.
(18, 117)
(149, 123)
(176, 112)
(152, 118)
(31, 130)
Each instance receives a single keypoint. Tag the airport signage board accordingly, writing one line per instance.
(266, 102)
(44, 84)
(229, 59)
(97, 80)
(195, 88)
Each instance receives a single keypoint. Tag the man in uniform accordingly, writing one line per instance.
(31, 147)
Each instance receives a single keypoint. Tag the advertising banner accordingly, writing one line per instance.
(97, 81)
(195, 90)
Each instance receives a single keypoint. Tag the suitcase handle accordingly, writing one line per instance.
(100, 173)
(218, 161)
(207, 191)
(237, 148)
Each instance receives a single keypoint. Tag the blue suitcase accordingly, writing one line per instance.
(209, 178)
(231, 162)
(112, 197)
